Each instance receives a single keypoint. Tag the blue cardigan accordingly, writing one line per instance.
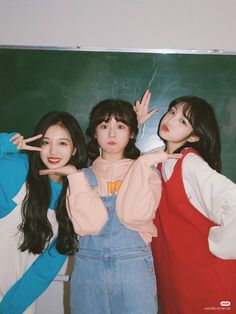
(13, 171)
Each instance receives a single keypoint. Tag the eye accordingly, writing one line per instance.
(121, 126)
(44, 142)
(103, 126)
(183, 121)
(172, 111)
(63, 143)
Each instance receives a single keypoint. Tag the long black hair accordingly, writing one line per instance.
(201, 116)
(121, 111)
(36, 228)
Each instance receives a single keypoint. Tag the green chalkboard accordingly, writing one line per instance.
(35, 81)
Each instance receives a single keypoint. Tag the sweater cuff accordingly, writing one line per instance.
(6, 146)
(78, 183)
(154, 158)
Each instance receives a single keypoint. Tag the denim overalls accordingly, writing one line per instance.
(113, 271)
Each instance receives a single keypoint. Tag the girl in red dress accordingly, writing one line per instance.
(195, 250)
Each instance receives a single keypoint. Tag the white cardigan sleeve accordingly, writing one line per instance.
(215, 196)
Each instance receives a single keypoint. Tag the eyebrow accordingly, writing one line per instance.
(60, 139)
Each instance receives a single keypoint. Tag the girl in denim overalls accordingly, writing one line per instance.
(112, 205)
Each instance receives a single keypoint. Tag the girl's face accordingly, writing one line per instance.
(112, 137)
(57, 147)
(175, 129)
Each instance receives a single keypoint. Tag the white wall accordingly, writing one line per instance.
(143, 24)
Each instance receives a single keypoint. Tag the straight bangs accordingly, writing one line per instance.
(188, 109)
(117, 113)
(122, 111)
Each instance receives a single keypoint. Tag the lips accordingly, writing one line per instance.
(54, 160)
(165, 128)
(111, 143)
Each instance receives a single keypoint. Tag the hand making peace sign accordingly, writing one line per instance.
(21, 142)
(141, 108)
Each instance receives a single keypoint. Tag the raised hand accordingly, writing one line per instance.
(21, 142)
(141, 108)
(62, 171)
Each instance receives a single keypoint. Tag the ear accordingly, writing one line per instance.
(131, 135)
(193, 139)
(74, 152)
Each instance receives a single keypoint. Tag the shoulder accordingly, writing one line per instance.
(194, 162)
(197, 170)
(13, 173)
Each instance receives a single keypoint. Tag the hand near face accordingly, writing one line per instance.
(174, 156)
(21, 142)
(141, 108)
(62, 171)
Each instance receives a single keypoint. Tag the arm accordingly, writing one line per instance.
(13, 168)
(145, 143)
(84, 206)
(6, 146)
(34, 281)
(13, 172)
(140, 193)
(215, 197)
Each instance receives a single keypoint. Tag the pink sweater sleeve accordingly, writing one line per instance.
(140, 194)
(84, 206)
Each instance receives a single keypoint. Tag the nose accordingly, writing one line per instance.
(172, 120)
(53, 149)
(112, 131)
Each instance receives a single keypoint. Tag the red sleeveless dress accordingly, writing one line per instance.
(190, 279)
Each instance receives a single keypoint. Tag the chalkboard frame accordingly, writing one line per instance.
(26, 107)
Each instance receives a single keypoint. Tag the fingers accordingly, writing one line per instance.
(33, 138)
(146, 98)
(63, 171)
(144, 102)
(14, 137)
(18, 141)
(136, 106)
(46, 172)
(32, 148)
(174, 156)
(152, 112)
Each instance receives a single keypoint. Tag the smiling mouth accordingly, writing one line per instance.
(54, 160)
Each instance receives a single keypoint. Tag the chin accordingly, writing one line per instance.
(54, 166)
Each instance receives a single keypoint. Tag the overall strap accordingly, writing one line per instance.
(91, 177)
(179, 162)
(188, 150)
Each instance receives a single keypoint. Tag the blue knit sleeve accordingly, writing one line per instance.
(13, 172)
(34, 281)
(6, 145)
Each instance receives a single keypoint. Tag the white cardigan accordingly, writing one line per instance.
(214, 196)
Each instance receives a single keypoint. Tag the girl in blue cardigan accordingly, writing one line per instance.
(36, 234)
